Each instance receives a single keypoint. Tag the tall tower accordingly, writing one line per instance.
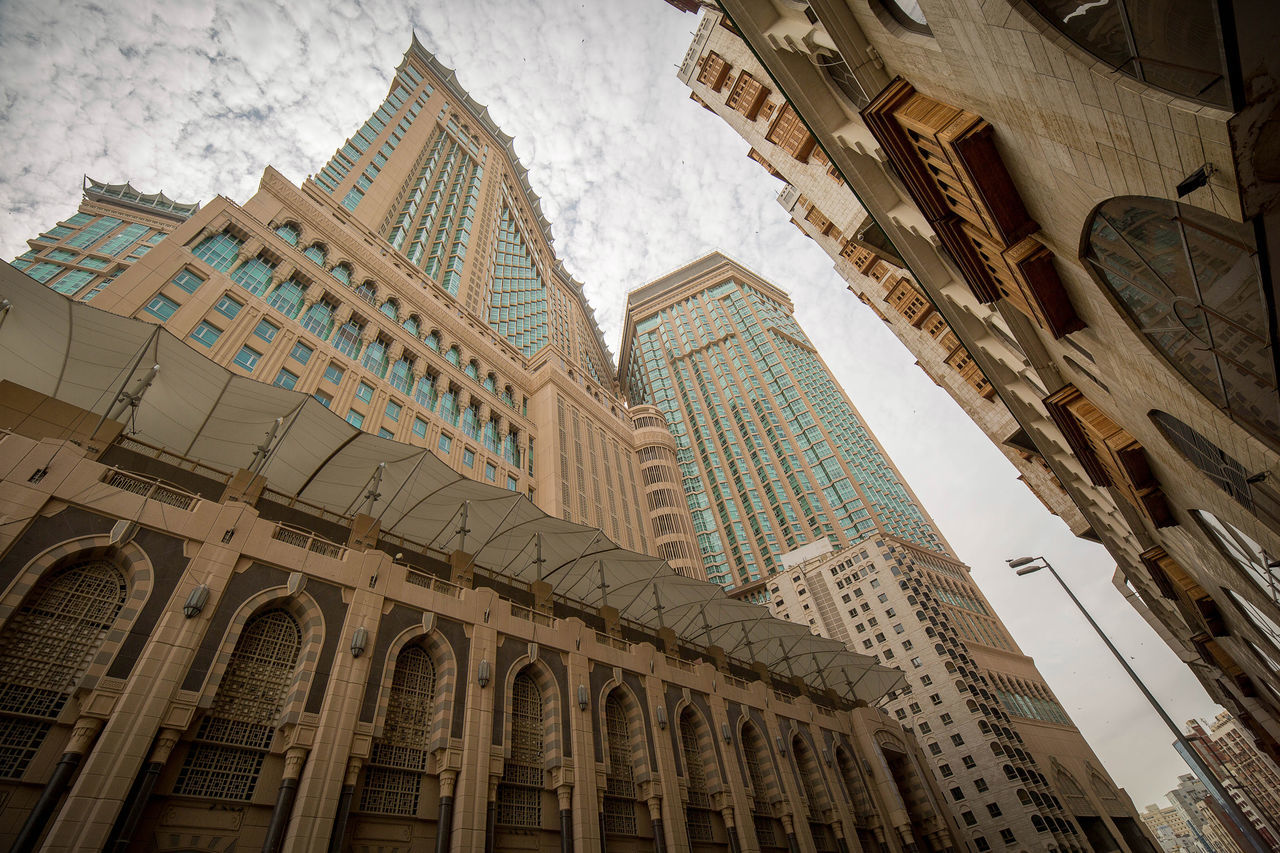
(773, 453)
(411, 286)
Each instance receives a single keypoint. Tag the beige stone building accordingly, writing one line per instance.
(1171, 830)
(1085, 196)
(410, 285)
(314, 638)
(1250, 776)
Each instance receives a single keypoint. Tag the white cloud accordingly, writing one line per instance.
(196, 98)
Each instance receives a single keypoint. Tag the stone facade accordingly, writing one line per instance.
(1251, 777)
(232, 673)
(1032, 190)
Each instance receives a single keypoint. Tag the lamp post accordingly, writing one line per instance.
(1028, 565)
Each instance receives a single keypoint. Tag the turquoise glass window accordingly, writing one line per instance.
(218, 250)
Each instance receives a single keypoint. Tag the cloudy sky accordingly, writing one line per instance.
(195, 98)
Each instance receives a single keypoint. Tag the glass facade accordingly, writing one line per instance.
(771, 452)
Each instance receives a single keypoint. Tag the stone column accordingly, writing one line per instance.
(564, 795)
(735, 792)
(676, 838)
(472, 809)
(83, 735)
(587, 833)
(789, 828)
(339, 832)
(141, 794)
(294, 759)
(444, 819)
(92, 804)
(655, 816)
(730, 829)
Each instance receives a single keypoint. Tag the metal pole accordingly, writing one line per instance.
(1185, 749)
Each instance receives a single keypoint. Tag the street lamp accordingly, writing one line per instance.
(1028, 565)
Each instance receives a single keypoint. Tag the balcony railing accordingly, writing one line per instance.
(303, 539)
(149, 488)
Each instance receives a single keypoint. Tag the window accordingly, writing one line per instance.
(980, 844)
(333, 374)
(925, 728)
(915, 707)
(394, 409)
(936, 698)
(289, 232)
(980, 784)
(968, 762)
(419, 428)
(286, 379)
(1206, 317)
(234, 736)
(1006, 835)
(355, 419)
(161, 306)
(71, 283)
(946, 718)
(247, 358)
(519, 799)
(315, 253)
(301, 353)
(393, 777)
(218, 251)
(287, 298)
(490, 472)
(364, 392)
(946, 771)
(957, 740)
(187, 280)
(993, 809)
(957, 793)
(206, 333)
(266, 330)
(935, 749)
(383, 432)
(968, 818)
(619, 806)
(444, 443)
(228, 307)
(45, 649)
(925, 681)
(254, 275)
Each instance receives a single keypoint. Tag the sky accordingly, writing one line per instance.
(196, 98)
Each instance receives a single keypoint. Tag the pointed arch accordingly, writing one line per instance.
(699, 771)
(532, 737)
(620, 752)
(47, 647)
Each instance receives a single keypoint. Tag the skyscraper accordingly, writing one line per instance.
(767, 441)
(411, 286)
(797, 505)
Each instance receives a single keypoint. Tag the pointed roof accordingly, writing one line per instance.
(129, 196)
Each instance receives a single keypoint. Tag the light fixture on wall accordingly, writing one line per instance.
(482, 674)
(582, 697)
(782, 746)
(359, 641)
(196, 601)
(826, 756)
(724, 732)
(662, 717)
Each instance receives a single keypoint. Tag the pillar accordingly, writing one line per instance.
(789, 828)
(655, 817)
(343, 813)
(294, 759)
(731, 829)
(82, 738)
(444, 819)
(141, 794)
(564, 795)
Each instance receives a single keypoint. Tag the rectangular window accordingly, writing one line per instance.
(1006, 835)
(286, 379)
(333, 374)
(71, 283)
(993, 809)
(946, 771)
(247, 358)
(419, 427)
(490, 472)
(355, 418)
(968, 818)
(957, 740)
(468, 457)
(228, 307)
(161, 306)
(934, 749)
(324, 399)
(301, 353)
(957, 793)
(364, 392)
(444, 443)
(44, 272)
(266, 330)
(394, 409)
(187, 280)
(511, 483)
(383, 432)
(980, 784)
(968, 762)
(946, 719)
(206, 334)
(123, 240)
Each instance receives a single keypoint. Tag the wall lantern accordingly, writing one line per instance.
(826, 756)
(582, 697)
(724, 732)
(662, 717)
(359, 641)
(482, 674)
(782, 746)
(196, 601)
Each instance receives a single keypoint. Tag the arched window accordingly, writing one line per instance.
(254, 275)
(368, 292)
(620, 787)
(316, 253)
(347, 340)
(453, 356)
(342, 273)
(391, 309)
(760, 773)
(520, 791)
(401, 377)
(289, 232)
(287, 298)
(319, 319)
(698, 811)
(1167, 44)
(412, 324)
(1189, 280)
(376, 358)
(433, 340)
(907, 14)
(46, 648)
(425, 392)
(473, 369)
(234, 736)
(393, 780)
(814, 792)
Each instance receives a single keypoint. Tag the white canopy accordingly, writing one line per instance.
(193, 407)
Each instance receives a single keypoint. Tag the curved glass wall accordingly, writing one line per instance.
(1174, 45)
(1189, 280)
(1260, 567)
